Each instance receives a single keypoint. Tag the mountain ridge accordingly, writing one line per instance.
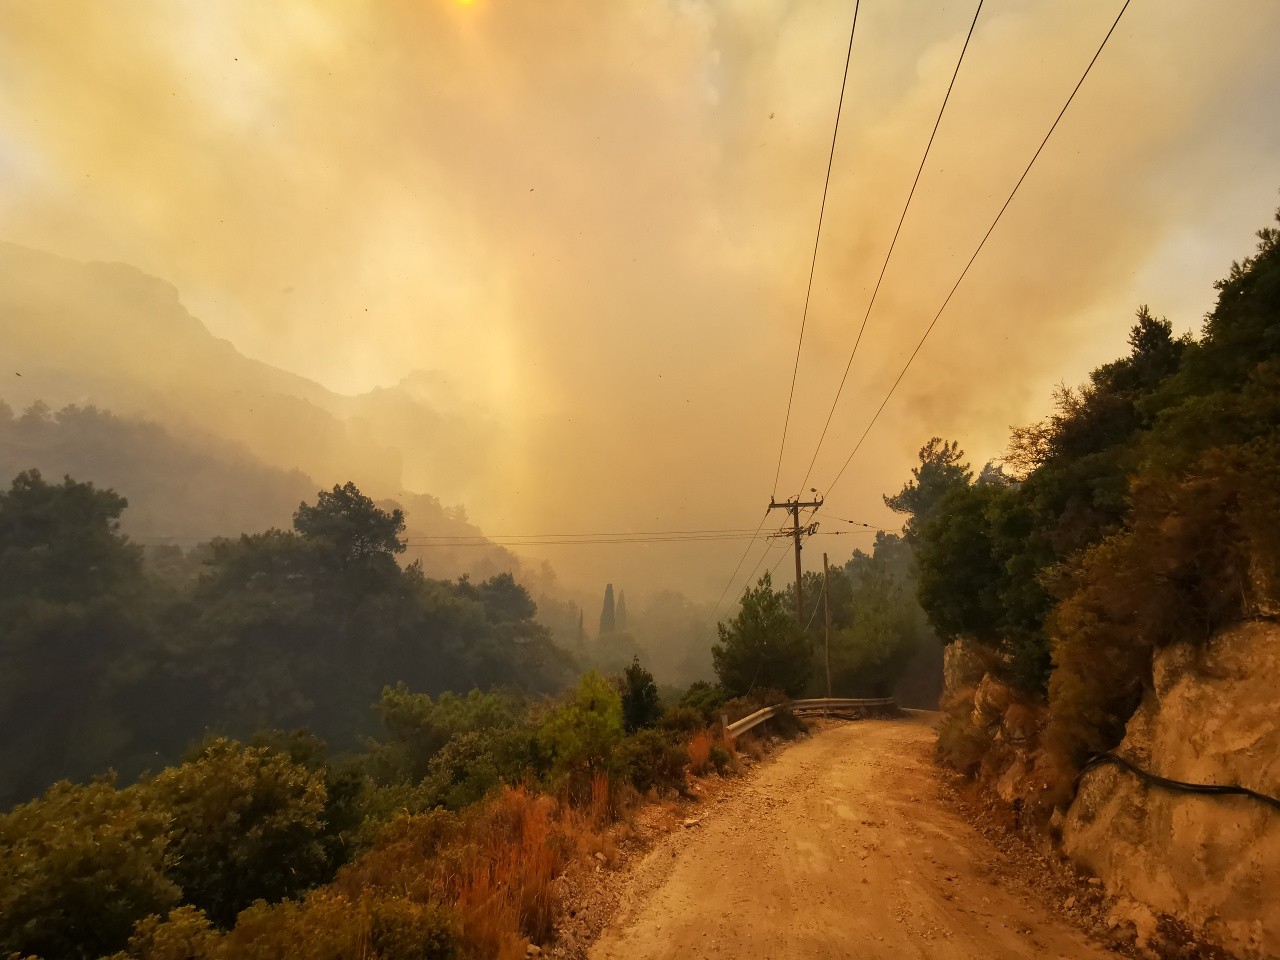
(110, 335)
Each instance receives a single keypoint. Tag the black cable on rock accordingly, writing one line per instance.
(1213, 789)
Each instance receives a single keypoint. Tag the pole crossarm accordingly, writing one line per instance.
(794, 506)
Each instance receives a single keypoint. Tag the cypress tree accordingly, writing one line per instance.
(621, 615)
(607, 617)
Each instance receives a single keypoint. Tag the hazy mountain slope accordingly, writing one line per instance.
(176, 489)
(109, 335)
(183, 491)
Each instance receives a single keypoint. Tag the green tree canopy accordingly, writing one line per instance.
(61, 543)
(640, 705)
(74, 609)
(878, 625)
(80, 866)
(583, 733)
(941, 470)
(762, 646)
(351, 530)
(246, 824)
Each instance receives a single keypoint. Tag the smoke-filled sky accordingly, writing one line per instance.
(595, 219)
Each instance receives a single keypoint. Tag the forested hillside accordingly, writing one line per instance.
(184, 490)
(1143, 511)
(110, 662)
(179, 491)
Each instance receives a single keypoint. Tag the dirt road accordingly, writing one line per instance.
(839, 847)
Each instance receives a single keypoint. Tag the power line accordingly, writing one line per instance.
(813, 263)
(775, 566)
(481, 539)
(752, 575)
(580, 542)
(539, 536)
(482, 542)
(742, 559)
(856, 523)
(892, 243)
(821, 595)
(981, 244)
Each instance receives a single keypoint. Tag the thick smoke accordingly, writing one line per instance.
(594, 221)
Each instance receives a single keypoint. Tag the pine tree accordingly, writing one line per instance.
(608, 621)
(582, 634)
(762, 646)
(621, 616)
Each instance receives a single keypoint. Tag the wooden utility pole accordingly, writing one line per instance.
(826, 612)
(794, 507)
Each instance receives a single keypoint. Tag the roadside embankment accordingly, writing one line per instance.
(1209, 716)
(1213, 717)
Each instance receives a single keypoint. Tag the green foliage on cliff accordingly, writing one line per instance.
(1142, 512)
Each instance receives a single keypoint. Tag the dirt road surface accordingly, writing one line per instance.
(840, 846)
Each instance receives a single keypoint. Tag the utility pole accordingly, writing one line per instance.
(826, 611)
(794, 507)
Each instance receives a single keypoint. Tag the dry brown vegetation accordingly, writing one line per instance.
(700, 752)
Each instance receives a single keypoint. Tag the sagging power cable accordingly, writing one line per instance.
(813, 263)
(741, 560)
(982, 243)
(889, 254)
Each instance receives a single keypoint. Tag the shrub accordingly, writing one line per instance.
(721, 759)
(417, 727)
(328, 926)
(503, 878)
(961, 744)
(682, 720)
(381, 806)
(1178, 571)
(401, 857)
(462, 772)
(706, 698)
(653, 760)
(787, 725)
(602, 810)
(186, 934)
(81, 865)
(495, 862)
(582, 735)
(400, 929)
(784, 723)
(246, 824)
(739, 707)
(640, 706)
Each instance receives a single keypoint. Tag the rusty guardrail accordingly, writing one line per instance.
(822, 705)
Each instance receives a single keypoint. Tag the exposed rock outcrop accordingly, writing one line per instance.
(1213, 716)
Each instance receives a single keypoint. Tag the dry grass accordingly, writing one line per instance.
(700, 752)
(750, 746)
(495, 864)
(504, 891)
(602, 808)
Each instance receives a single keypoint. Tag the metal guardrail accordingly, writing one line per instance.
(823, 705)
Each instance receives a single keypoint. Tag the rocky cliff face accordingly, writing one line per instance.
(1213, 716)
